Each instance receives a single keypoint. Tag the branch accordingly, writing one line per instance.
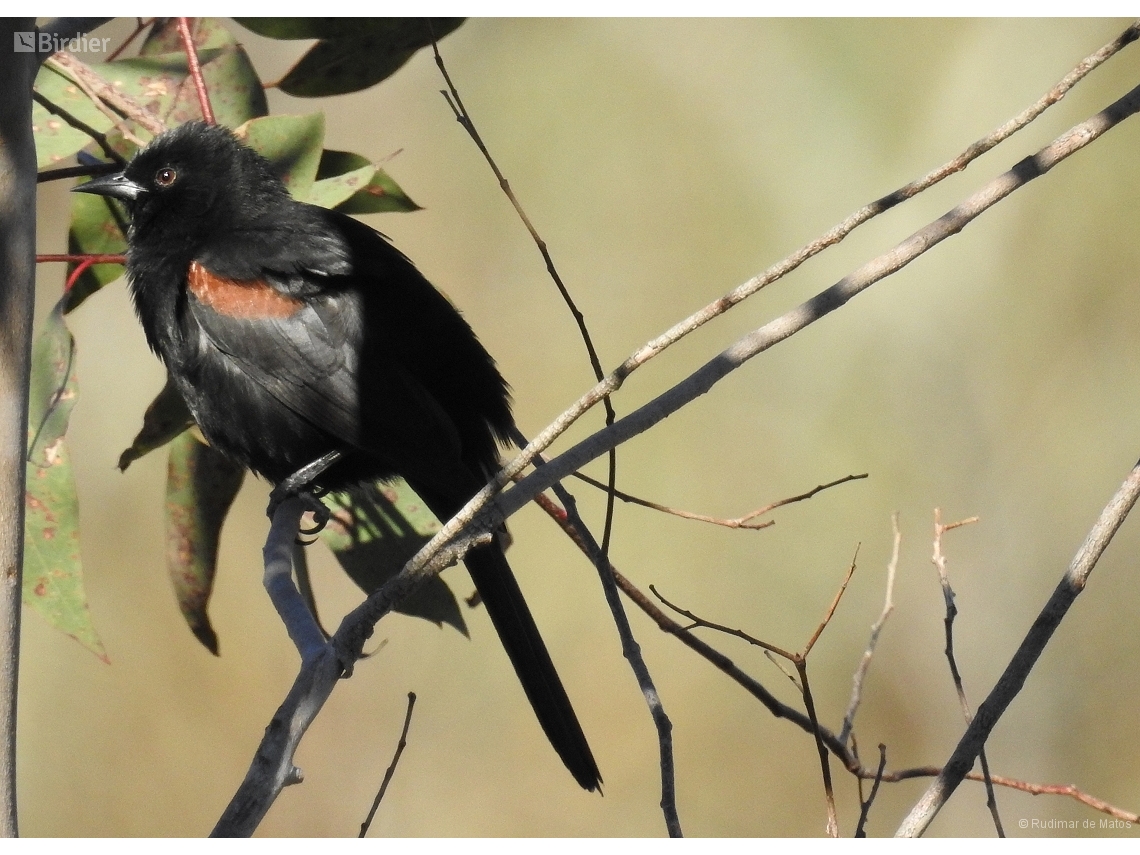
(80, 126)
(938, 559)
(1015, 674)
(876, 630)
(778, 709)
(744, 522)
(774, 332)
(615, 379)
(585, 541)
(391, 770)
(100, 89)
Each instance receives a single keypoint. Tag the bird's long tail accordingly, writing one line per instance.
(512, 620)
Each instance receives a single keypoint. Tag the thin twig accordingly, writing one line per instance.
(85, 85)
(572, 522)
(779, 329)
(698, 621)
(451, 95)
(800, 660)
(81, 126)
(1015, 674)
(865, 806)
(139, 27)
(938, 559)
(778, 709)
(45, 175)
(400, 746)
(739, 522)
(87, 79)
(195, 68)
(834, 605)
(876, 629)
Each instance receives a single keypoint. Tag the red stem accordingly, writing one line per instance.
(195, 69)
(81, 258)
(77, 272)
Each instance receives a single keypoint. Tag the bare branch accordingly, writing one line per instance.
(1015, 674)
(571, 521)
(778, 709)
(876, 629)
(865, 806)
(834, 605)
(744, 522)
(776, 331)
(391, 770)
(91, 82)
(938, 559)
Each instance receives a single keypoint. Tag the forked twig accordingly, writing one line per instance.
(865, 805)
(1013, 678)
(744, 522)
(938, 559)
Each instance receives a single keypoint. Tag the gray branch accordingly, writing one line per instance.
(1010, 683)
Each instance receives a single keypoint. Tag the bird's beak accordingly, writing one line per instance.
(117, 186)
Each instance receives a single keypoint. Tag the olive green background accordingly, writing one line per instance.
(665, 162)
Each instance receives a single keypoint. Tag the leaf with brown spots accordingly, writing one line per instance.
(53, 578)
(201, 485)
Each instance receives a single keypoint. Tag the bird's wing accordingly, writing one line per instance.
(306, 353)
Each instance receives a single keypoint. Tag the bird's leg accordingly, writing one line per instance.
(298, 484)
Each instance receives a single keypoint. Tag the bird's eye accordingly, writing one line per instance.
(165, 177)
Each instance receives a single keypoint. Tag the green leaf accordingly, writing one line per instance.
(158, 82)
(363, 56)
(300, 28)
(380, 196)
(93, 231)
(373, 531)
(292, 144)
(339, 175)
(55, 139)
(235, 90)
(53, 579)
(54, 387)
(201, 485)
(165, 418)
(207, 32)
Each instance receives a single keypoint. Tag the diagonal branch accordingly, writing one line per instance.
(1015, 674)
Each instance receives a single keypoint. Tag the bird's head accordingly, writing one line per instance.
(186, 181)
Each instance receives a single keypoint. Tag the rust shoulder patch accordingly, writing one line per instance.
(239, 298)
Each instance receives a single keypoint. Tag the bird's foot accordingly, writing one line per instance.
(300, 484)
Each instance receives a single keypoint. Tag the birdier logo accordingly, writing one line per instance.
(35, 42)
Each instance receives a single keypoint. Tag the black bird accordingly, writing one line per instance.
(293, 332)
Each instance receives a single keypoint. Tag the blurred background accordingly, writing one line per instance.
(665, 162)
